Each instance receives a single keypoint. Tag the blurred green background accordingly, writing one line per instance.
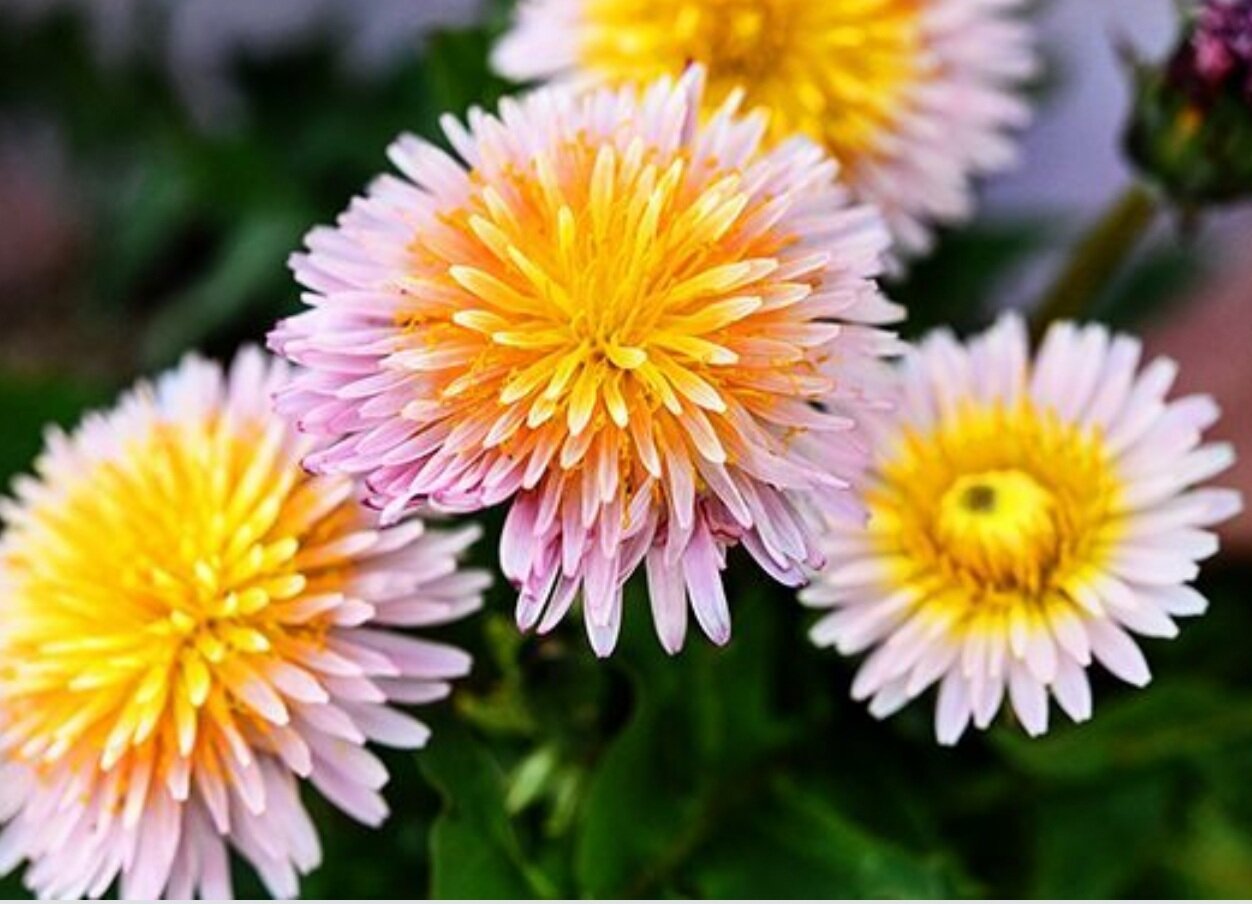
(142, 220)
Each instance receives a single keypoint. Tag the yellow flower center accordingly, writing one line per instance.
(144, 596)
(600, 286)
(1006, 505)
(999, 526)
(834, 71)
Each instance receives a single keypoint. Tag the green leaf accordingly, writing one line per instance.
(141, 217)
(796, 843)
(1076, 856)
(644, 795)
(956, 286)
(458, 73)
(703, 722)
(473, 849)
(11, 888)
(1213, 858)
(1170, 721)
(27, 405)
(249, 271)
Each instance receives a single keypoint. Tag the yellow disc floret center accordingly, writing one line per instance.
(740, 36)
(834, 71)
(602, 282)
(1000, 526)
(145, 596)
(996, 505)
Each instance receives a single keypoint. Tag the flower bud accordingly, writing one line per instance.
(1191, 127)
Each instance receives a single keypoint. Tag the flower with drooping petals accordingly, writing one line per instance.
(913, 97)
(616, 317)
(189, 623)
(1024, 520)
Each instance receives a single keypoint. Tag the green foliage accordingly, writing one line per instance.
(1075, 827)
(699, 738)
(1179, 721)
(473, 850)
(27, 406)
(956, 287)
(797, 843)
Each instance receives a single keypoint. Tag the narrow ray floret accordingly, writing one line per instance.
(642, 328)
(1025, 520)
(913, 97)
(189, 624)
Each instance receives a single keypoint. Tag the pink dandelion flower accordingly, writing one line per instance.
(189, 624)
(912, 97)
(1024, 521)
(618, 317)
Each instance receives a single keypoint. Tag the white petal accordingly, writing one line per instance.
(1118, 652)
(1041, 655)
(879, 668)
(1152, 567)
(860, 625)
(1071, 633)
(1178, 600)
(988, 701)
(1143, 406)
(937, 660)
(1072, 690)
(389, 727)
(1115, 382)
(952, 712)
(889, 699)
(1196, 466)
(1030, 700)
(1146, 617)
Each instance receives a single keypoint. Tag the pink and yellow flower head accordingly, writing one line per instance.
(189, 624)
(1025, 519)
(616, 315)
(913, 97)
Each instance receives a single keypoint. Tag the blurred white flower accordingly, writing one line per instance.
(1025, 520)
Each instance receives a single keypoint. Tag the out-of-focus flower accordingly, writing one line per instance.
(1024, 519)
(913, 98)
(1191, 130)
(188, 624)
(614, 315)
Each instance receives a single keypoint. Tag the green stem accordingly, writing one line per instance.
(1099, 257)
(726, 795)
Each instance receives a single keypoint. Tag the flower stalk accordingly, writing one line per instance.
(1099, 257)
